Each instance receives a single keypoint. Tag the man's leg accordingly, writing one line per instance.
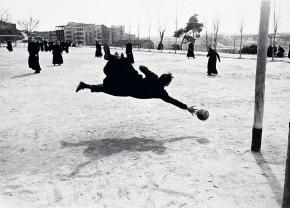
(93, 88)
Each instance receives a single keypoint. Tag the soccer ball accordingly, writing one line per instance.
(202, 114)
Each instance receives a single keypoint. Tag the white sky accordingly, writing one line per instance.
(147, 12)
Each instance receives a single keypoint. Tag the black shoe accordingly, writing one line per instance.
(37, 72)
(81, 86)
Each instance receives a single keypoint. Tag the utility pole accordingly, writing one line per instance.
(260, 76)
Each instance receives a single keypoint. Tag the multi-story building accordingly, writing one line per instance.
(80, 33)
(116, 33)
(59, 32)
(129, 37)
(102, 34)
(90, 34)
(8, 31)
(74, 32)
(52, 36)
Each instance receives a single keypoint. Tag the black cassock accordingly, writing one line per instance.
(211, 65)
(33, 59)
(9, 46)
(57, 57)
(190, 52)
(129, 53)
(289, 52)
(98, 52)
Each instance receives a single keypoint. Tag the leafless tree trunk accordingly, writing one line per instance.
(138, 36)
(29, 25)
(275, 27)
(234, 44)
(149, 37)
(216, 27)
(161, 34)
(175, 44)
(206, 34)
(4, 15)
(242, 25)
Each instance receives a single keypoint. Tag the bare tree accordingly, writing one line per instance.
(149, 36)
(161, 34)
(138, 36)
(129, 33)
(29, 25)
(191, 31)
(4, 15)
(275, 29)
(216, 28)
(234, 51)
(175, 44)
(242, 25)
(206, 34)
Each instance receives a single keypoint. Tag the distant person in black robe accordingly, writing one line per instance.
(57, 54)
(129, 53)
(67, 47)
(190, 52)
(269, 51)
(98, 52)
(107, 51)
(289, 52)
(281, 52)
(33, 59)
(41, 45)
(211, 65)
(62, 45)
(9, 46)
(45, 45)
(50, 45)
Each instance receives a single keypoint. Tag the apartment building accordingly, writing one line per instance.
(116, 33)
(102, 34)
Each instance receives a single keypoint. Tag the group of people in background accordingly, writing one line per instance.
(279, 52)
(59, 46)
(35, 46)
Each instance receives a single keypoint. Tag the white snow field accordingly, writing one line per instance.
(65, 149)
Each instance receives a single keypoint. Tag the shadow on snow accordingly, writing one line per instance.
(97, 149)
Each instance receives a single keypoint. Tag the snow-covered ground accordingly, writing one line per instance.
(65, 149)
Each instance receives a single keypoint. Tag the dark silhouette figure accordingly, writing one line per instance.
(41, 46)
(9, 46)
(190, 52)
(50, 46)
(160, 46)
(33, 59)
(66, 45)
(211, 65)
(57, 57)
(45, 45)
(289, 52)
(129, 53)
(62, 45)
(107, 51)
(123, 80)
(98, 52)
(281, 52)
(270, 51)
